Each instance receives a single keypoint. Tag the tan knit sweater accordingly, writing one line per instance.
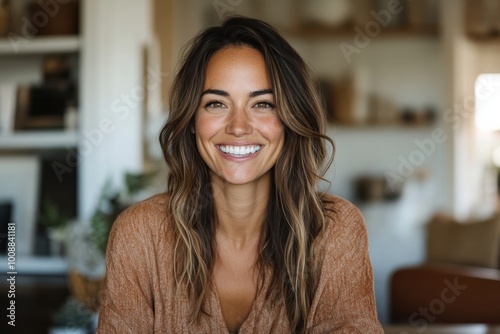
(139, 288)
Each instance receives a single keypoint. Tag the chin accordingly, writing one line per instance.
(238, 180)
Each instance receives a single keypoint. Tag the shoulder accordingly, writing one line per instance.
(340, 211)
(344, 222)
(147, 217)
(152, 207)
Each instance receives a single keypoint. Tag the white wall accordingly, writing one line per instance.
(114, 34)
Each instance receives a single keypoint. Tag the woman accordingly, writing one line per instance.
(241, 242)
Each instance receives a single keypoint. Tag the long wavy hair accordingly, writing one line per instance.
(295, 213)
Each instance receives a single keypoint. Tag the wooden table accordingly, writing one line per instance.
(442, 329)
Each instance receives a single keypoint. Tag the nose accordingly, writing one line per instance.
(238, 122)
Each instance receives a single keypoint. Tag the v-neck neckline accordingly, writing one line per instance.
(220, 316)
(244, 328)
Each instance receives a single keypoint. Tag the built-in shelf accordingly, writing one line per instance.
(327, 32)
(38, 140)
(484, 38)
(39, 45)
(364, 126)
(40, 265)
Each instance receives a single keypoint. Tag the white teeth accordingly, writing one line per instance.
(239, 150)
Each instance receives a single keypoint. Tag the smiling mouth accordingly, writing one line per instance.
(239, 151)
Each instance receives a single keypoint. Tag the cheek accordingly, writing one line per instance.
(273, 128)
(204, 127)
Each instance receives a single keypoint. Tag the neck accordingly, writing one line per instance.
(240, 211)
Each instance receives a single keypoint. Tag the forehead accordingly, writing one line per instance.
(236, 65)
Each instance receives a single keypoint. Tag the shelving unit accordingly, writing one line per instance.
(34, 140)
(40, 265)
(40, 45)
(26, 55)
(108, 66)
(382, 126)
(316, 32)
(400, 66)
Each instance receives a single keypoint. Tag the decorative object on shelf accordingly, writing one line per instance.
(86, 264)
(71, 117)
(45, 106)
(430, 115)
(56, 224)
(370, 188)
(343, 97)
(56, 70)
(482, 18)
(328, 13)
(417, 14)
(63, 17)
(40, 107)
(5, 17)
(395, 11)
(361, 12)
(382, 110)
(72, 318)
(418, 116)
(349, 103)
(422, 14)
(409, 116)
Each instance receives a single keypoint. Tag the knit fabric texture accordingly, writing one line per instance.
(139, 292)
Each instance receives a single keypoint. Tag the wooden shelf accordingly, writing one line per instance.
(367, 126)
(484, 38)
(40, 45)
(38, 140)
(327, 32)
(40, 265)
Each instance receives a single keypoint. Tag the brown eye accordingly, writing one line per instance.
(214, 105)
(264, 105)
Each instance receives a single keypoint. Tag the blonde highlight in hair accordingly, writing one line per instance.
(295, 213)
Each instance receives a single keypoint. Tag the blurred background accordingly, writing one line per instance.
(412, 94)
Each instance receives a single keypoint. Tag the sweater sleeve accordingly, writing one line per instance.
(345, 301)
(126, 298)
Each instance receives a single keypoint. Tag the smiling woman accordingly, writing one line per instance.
(241, 241)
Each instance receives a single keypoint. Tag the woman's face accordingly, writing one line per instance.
(238, 132)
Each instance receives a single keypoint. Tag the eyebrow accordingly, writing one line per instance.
(224, 93)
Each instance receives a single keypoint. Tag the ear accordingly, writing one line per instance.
(191, 128)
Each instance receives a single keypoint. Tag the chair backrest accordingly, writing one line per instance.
(475, 243)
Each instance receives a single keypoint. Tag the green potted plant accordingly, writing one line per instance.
(56, 224)
(72, 318)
